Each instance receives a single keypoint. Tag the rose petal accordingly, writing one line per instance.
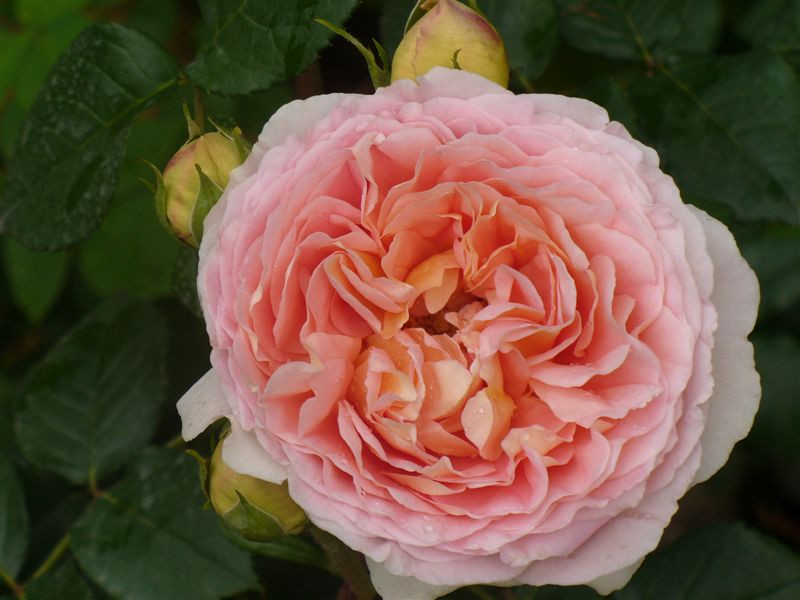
(201, 405)
(737, 388)
(243, 453)
(399, 587)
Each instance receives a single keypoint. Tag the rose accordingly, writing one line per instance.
(479, 333)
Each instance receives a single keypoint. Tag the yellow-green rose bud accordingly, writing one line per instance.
(451, 34)
(216, 155)
(257, 510)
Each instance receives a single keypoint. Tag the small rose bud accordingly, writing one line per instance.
(451, 34)
(255, 509)
(194, 179)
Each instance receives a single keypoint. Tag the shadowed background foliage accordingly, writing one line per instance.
(99, 326)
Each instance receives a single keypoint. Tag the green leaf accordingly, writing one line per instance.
(774, 254)
(156, 18)
(251, 44)
(131, 251)
(557, 592)
(94, 399)
(36, 278)
(13, 520)
(394, 15)
(727, 128)
(184, 280)
(149, 538)
(640, 30)
(609, 94)
(778, 419)
(773, 24)
(724, 562)
(64, 170)
(529, 31)
(7, 406)
(63, 582)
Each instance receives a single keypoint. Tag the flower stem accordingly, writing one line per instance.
(53, 557)
(349, 563)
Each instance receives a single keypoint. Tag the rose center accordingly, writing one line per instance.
(436, 323)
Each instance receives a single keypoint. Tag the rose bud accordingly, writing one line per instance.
(185, 195)
(451, 34)
(257, 510)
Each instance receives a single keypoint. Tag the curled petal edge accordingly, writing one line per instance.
(737, 385)
(205, 403)
(399, 587)
(201, 405)
(243, 453)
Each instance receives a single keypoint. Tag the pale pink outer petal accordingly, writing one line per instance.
(242, 452)
(398, 587)
(294, 118)
(614, 581)
(440, 82)
(618, 547)
(737, 385)
(731, 408)
(201, 405)
(205, 403)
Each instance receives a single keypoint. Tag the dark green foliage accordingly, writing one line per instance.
(172, 547)
(80, 402)
(640, 30)
(529, 31)
(726, 562)
(64, 168)
(13, 520)
(251, 45)
(737, 116)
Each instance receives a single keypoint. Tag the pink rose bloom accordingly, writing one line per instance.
(479, 333)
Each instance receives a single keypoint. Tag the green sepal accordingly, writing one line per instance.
(456, 66)
(415, 15)
(243, 145)
(202, 472)
(296, 549)
(207, 197)
(160, 193)
(254, 524)
(195, 129)
(379, 74)
(384, 58)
